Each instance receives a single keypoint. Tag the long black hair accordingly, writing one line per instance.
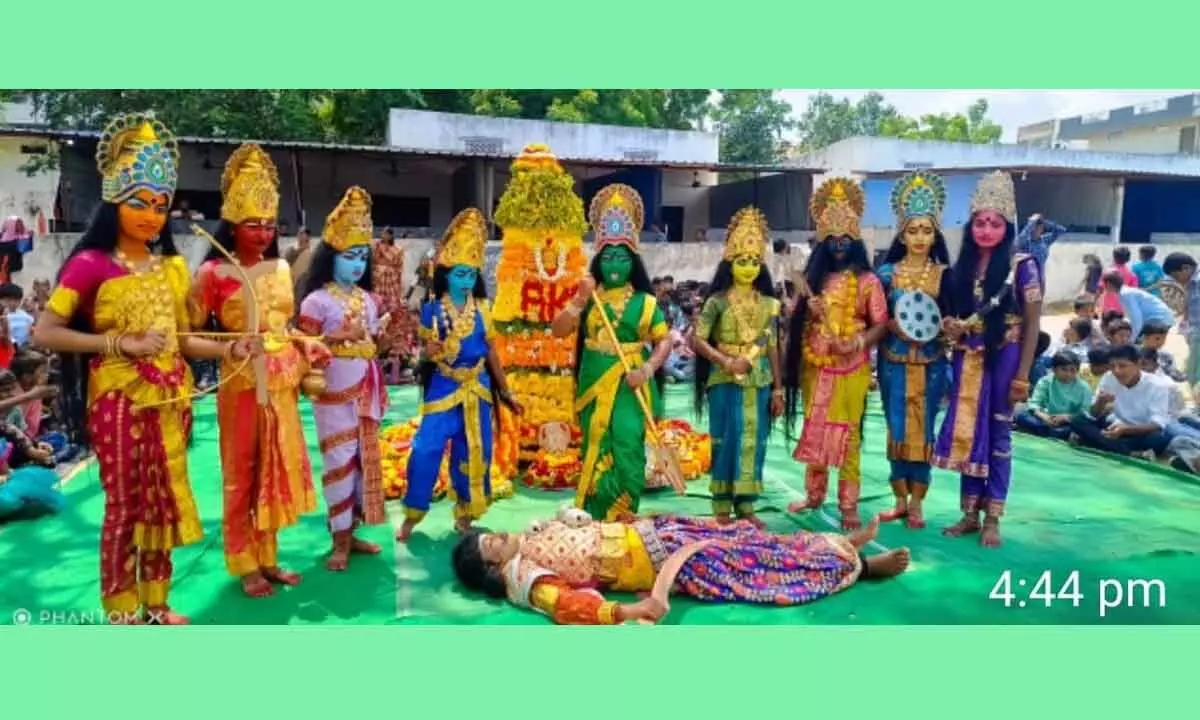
(101, 235)
(441, 286)
(938, 253)
(963, 302)
(320, 271)
(472, 570)
(820, 264)
(639, 280)
(722, 281)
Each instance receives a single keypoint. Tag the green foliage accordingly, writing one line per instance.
(827, 120)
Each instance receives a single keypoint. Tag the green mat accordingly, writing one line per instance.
(1070, 512)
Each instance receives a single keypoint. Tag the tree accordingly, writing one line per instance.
(827, 120)
(971, 127)
(752, 124)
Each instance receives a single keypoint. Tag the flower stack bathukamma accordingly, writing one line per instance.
(541, 261)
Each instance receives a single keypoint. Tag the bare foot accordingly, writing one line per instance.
(723, 519)
(165, 616)
(851, 520)
(990, 536)
(968, 525)
(256, 585)
(462, 526)
(362, 547)
(807, 504)
(405, 532)
(339, 557)
(901, 510)
(916, 516)
(279, 576)
(860, 538)
(753, 520)
(889, 564)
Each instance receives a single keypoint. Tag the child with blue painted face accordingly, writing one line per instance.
(461, 381)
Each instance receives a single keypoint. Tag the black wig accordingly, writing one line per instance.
(639, 280)
(475, 573)
(963, 300)
(100, 234)
(821, 263)
(722, 281)
(320, 271)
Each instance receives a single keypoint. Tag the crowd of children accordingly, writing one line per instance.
(1108, 382)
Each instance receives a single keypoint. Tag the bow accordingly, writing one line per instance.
(260, 369)
(260, 376)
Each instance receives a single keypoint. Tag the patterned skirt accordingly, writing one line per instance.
(754, 566)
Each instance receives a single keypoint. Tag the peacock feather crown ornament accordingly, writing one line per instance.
(747, 235)
(249, 185)
(996, 192)
(349, 225)
(837, 208)
(919, 194)
(136, 152)
(617, 215)
(464, 241)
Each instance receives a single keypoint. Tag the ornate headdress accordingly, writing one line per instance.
(250, 185)
(996, 192)
(837, 208)
(136, 152)
(349, 225)
(464, 240)
(747, 234)
(918, 194)
(617, 215)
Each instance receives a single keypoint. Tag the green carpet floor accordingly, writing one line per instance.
(1069, 511)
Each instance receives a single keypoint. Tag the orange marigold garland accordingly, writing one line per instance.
(541, 261)
(396, 446)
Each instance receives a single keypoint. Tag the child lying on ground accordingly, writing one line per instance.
(1056, 399)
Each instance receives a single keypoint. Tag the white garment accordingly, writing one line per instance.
(1147, 402)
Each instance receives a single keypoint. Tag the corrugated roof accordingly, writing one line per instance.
(892, 156)
(52, 134)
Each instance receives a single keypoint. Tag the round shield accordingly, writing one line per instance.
(917, 316)
(1173, 295)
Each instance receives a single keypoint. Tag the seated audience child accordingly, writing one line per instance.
(1154, 336)
(1130, 412)
(1099, 359)
(1056, 399)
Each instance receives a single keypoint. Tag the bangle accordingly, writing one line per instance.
(227, 354)
(778, 392)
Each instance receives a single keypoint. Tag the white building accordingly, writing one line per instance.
(1161, 127)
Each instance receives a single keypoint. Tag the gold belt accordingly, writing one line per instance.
(362, 350)
(736, 350)
(462, 375)
(606, 347)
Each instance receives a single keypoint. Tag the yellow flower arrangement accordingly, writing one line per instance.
(541, 261)
(396, 446)
(695, 451)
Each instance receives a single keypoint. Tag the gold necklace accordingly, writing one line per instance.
(462, 322)
(905, 274)
(153, 262)
(744, 306)
(617, 299)
(354, 301)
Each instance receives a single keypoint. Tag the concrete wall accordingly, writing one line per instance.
(1160, 140)
(448, 132)
(22, 195)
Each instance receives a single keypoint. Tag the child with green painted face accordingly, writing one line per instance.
(610, 412)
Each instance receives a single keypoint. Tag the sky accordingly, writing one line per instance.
(1010, 108)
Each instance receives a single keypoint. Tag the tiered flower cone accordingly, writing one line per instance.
(541, 262)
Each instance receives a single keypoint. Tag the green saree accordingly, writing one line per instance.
(611, 418)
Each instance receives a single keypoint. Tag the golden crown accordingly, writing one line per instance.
(464, 241)
(747, 234)
(918, 194)
(349, 225)
(837, 207)
(250, 186)
(617, 216)
(136, 152)
(996, 192)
